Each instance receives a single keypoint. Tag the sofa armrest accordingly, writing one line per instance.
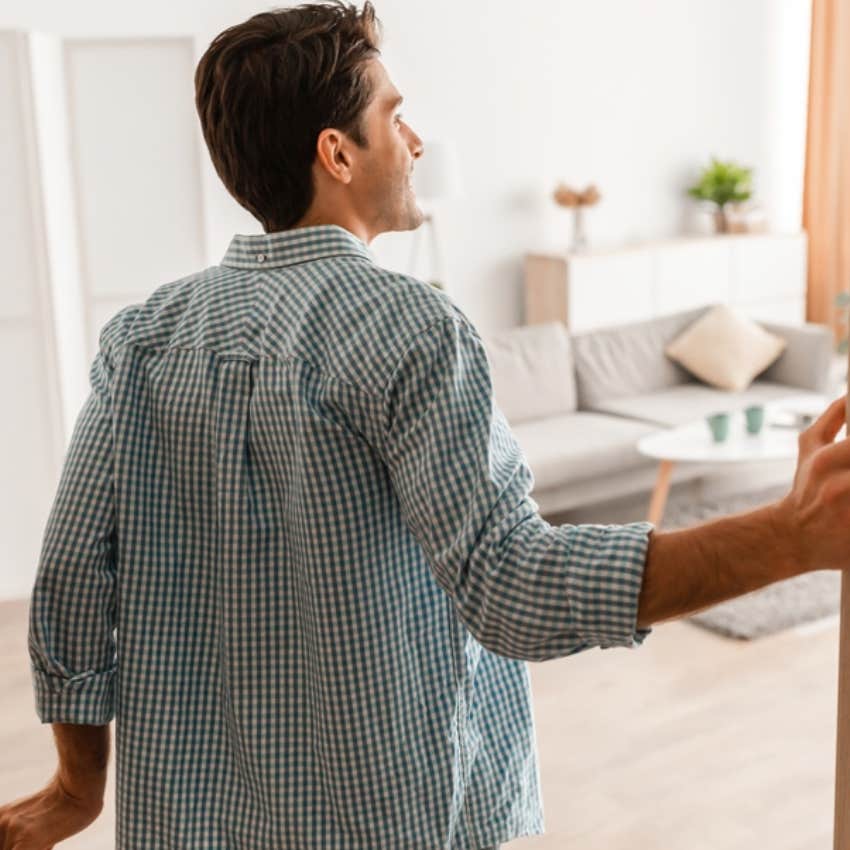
(806, 361)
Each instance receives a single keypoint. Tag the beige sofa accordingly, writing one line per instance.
(577, 404)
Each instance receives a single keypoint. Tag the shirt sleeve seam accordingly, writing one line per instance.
(404, 352)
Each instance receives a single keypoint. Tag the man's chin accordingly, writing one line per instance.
(415, 218)
(409, 219)
(412, 216)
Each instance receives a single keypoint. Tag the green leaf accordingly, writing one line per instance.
(722, 182)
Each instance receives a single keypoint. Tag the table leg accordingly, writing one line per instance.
(659, 494)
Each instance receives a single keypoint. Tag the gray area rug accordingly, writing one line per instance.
(781, 605)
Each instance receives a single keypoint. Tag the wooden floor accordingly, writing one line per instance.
(692, 742)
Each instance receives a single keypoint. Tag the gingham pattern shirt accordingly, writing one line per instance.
(294, 554)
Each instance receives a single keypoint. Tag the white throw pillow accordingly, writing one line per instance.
(532, 371)
(726, 349)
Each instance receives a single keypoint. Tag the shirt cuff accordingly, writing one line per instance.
(607, 584)
(87, 698)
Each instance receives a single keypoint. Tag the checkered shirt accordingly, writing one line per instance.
(294, 555)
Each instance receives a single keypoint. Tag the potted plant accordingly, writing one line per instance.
(722, 183)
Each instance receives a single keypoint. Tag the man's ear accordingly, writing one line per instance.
(333, 154)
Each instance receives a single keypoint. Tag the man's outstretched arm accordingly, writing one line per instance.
(524, 589)
(809, 529)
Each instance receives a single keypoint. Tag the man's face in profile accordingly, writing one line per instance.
(383, 185)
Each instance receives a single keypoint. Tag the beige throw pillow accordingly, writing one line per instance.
(725, 348)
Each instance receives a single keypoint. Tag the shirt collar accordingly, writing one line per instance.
(298, 245)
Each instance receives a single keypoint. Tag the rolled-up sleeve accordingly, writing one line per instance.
(524, 588)
(72, 616)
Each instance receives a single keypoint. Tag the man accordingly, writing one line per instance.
(291, 493)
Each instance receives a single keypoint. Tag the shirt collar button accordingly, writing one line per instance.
(261, 258)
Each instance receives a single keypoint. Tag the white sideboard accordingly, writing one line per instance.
(764, 275)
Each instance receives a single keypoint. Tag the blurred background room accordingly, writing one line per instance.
(615, 191)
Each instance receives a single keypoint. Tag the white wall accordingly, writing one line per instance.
(630, 94)
(633, 95)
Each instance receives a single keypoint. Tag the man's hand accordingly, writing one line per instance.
(690, 569)
(47, 817)
(815, 514)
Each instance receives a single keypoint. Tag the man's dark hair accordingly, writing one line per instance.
(266, 88)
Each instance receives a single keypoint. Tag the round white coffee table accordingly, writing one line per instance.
(693, 442)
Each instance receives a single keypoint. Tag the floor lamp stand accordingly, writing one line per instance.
(427, 230)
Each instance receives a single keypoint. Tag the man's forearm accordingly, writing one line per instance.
(694, 568)
(83, 758)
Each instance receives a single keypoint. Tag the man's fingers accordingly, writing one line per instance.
(823, 430)
(834, 456)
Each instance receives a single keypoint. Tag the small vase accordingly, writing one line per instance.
(721, 221)
(579, 237)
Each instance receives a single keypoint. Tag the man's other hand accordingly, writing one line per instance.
(815, 514)
(47, 817)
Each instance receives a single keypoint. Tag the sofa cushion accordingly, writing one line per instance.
(807, 360)
(532, 371)
(685, 403)
(626, 360)
(580, 445)
(725, 348)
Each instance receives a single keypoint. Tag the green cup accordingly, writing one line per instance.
(719, 425)
(755, 418)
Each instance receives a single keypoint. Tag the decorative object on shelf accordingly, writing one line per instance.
(436, 177)
(723, 182)
(566, 196)
(745, 218)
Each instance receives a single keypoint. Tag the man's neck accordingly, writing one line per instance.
(348, 222)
